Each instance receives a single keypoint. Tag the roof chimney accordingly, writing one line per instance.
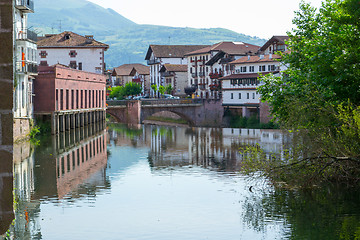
(270, 56)
(249, 57)
(89, 38)
(261, 56)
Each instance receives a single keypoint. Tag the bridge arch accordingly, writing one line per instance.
(180, 114)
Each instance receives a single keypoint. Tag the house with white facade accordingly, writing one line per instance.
(158, 55)
(134, 72)
(25, 67)
(175, 75)
(207, 65)
(73, 50)
(239, 89)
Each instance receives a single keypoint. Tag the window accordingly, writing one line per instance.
(80, 66)
(248, 95)
(72, 53)
(67, 99)
(61, 99)
(43, 54)
(239, 95)
(72, 64)
(243, 69)
(271, 68)
(43, 63)
(253, 95)
(262, 68)
(251, 69)
(67, 36)
(232, 96)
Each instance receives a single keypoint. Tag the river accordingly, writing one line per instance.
(157, 182)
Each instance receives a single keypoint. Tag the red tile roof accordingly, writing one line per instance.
(257, 59)
(127, 69)
(171, 51)
(174, 68)
(274, 39)
(69, 39)
(231, 48)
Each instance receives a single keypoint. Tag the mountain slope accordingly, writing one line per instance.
(128, 41)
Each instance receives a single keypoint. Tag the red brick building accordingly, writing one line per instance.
(69, 98)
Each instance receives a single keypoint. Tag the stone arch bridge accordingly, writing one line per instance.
(198, 112)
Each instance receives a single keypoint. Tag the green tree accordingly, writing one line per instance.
(169, 89)
(323, 65)
(320, 91)
(161, 89)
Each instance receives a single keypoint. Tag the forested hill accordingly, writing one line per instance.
(128, 41)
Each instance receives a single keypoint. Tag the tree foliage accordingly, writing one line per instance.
(130, 89)
(320, 90)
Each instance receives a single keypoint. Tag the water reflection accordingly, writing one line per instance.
(153, 182)
(73, 166)
(207, 147)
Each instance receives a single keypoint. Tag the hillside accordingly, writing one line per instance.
(128, 41)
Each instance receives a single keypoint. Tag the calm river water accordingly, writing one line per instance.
(161, 183)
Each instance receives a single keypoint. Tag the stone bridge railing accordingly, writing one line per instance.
(149, 102)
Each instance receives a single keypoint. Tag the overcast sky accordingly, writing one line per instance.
(262, 18)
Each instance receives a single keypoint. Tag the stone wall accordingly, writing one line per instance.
(6, 116)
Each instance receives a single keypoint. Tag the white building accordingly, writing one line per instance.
(71, 49)
(158, 55)
(207, 65)
(176, 76)
(25, 67)
(240, 87)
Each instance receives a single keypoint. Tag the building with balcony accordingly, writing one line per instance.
(73, 50)
(158, 55)
(25, 67)
(239, 88)
(176, 76)
(69, 98)
(207, 65)
(134, 72)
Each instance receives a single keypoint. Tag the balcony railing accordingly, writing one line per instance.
(201, 74)
(26, 67)
(26, 34)
(25, 5)
(215, 75)
(153, 61)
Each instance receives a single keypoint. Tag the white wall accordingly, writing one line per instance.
(91, 58)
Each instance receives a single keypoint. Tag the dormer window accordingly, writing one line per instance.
(67, 36)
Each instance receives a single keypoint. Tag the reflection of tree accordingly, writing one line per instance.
(310, 214)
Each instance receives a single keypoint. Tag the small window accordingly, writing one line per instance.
(239, 95)
(232, 96)
(80, 66)
(248, 95)
(253, 95)
(72, 53)
(43, 54)
(72, 64)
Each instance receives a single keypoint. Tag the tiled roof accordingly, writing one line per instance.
(127, 69)
(274, 39)
(257, 59)
(69, 39)
(171, 51)
(174, 68)
(245, 75)
(231, 48)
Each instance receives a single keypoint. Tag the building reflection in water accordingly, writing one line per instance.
(207, 147)
(70, 165)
